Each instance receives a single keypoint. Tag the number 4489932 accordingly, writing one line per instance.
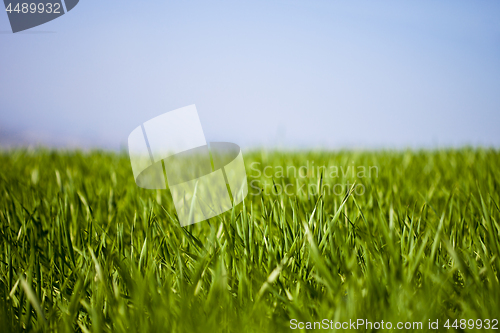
(472, 324)
(33, 8)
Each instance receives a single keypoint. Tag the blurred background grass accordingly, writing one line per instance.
(83, 249)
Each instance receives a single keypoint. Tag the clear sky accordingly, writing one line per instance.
(272, 73)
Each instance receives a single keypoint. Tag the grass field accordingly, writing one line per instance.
(83, 249)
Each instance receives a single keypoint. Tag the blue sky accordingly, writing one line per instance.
(274, 73)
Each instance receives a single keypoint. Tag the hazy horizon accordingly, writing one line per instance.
(274, 74)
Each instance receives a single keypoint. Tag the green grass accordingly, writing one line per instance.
(83, 249)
